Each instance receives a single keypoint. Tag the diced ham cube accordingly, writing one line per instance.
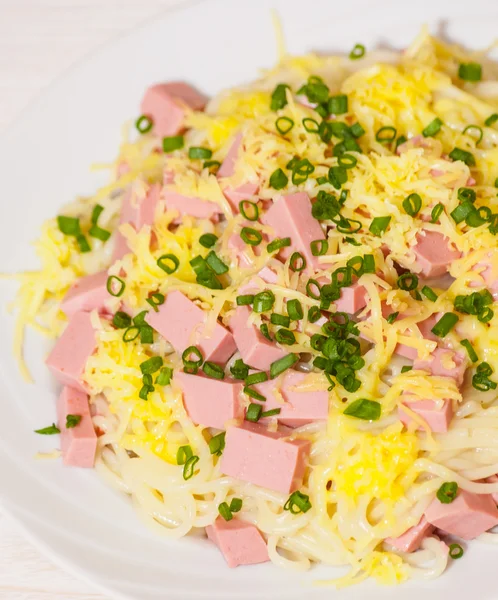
(181, 322)
(353, 299)
(210, 402)
(227, 168)
(87, 294)
(192, 206)
(412, 539)
(444, 363)
(139, 210)
(254, 454)
(240, 542)
(467, 516)
(255, 349)
(68, 358)
(434, 254)
(166, 103)
(79, 443)
(300, 407)
(487, 270)
(246, 191)
(438, 419)
(290, 216)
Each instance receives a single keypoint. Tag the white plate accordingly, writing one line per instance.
(44, 160)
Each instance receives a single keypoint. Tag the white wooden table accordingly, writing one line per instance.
(39, 40)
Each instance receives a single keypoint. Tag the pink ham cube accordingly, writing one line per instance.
(434, 254)
(166, 105)
(227, 168)
(139, 210)
(438, 419)
(353, 299)
(79, 443)
(268, 459)
(240, 542)
(87, 294)
(68, 358)
(467, 516)
(412, 539)
(255, 349)
(181, 322)
(191, 206)
(210, 402)
(300, 406)
(290, 216)
(487, 271)
(444, 363)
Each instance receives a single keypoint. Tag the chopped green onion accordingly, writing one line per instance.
(319, 247)
(285, 337)
(208, 279)
(310, 125)
(471, 71)
(156, 300)
(235, 505)
(436, 212)
(480, 132)
(433, 128)
(407, 282)
(225, 511)
(279, 97)
(464, 156)
(239, 369)
(83, 244)
(491, 120)
(447, 492)
(314, 313)
(217, 443)
(72, 421)
(368, 410)
(379, 225)
(263, 301)
(253, 412)
(322, 180)
(352, 241)
(401, 140)
(467, 194)
(278, 179)
(146, 334)
(445, 324)
(244, 299)
(151, 365)
(297, 262)
(429, 293)
(69, 225)
(301, 170)
(283, 125)
(192, 366)
(357, 130)
(183, 454)
(277, 244)
(337, 176)
(115, 286)
(325, 132)
(251, 236)
(357, 52)
(145, 390)
(282, 364)
(412, 204)
(51, 430)
(347, 161)
(386, 134)
(188, 469)
(164, 377)
(208, 240)
(96, 212)
(98, 233)
(478, 217)
(252, 393)
(144, 124)
(338, 105)
(406, 368)
(249, 210)
(281, 320)
(456, 551)
(315, 90)
(216, 264)
(168, 263)
(311, 288)
(295, 310)
(174, 142)
(265, 331)
(213, 370)
(196, 152)
(121, 320)
(470, 350)
(356, 264)
(392, 317)
(462, 211)
(270, 413)
(298, 503)
(211, 165)
(368, 263)
(485, 315)
(131, 334)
